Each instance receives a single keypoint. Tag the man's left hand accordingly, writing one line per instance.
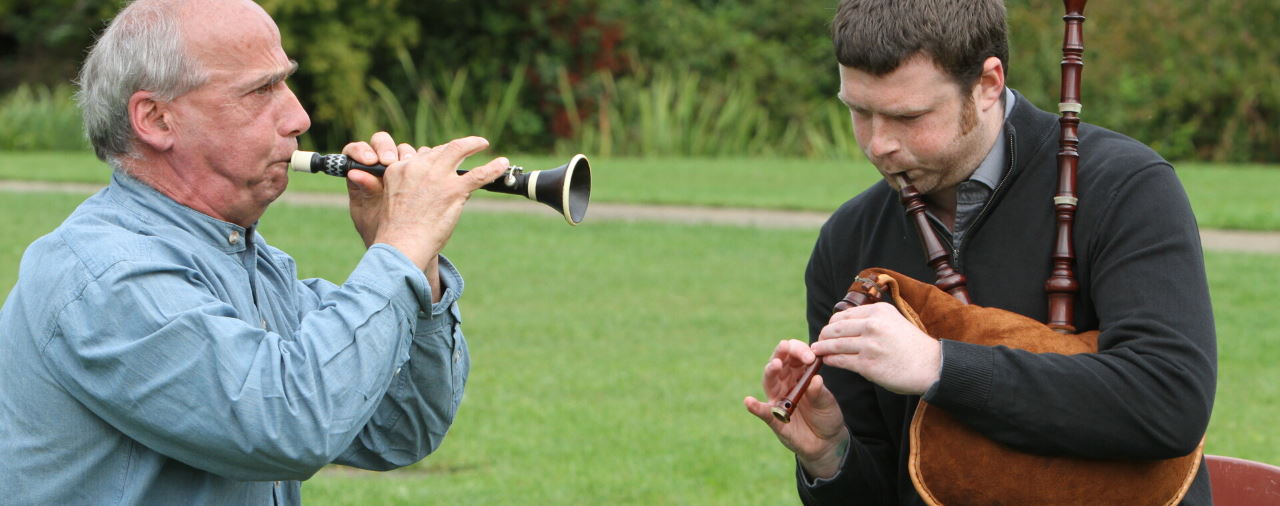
(877, 342)
(364, 189)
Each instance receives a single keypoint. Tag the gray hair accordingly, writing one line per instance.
(142, 49)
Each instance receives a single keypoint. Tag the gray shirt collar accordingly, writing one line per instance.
(992, 167)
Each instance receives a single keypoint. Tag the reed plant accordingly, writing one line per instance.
(38, 117)
(442, 107)
(666, 112)
(650, 112)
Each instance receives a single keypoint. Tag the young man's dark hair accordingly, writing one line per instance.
(876, 37)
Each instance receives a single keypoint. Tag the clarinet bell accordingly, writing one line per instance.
(566, 188)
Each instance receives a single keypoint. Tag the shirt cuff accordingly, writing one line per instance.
(442, 317)
(389, 262)
(390, 273)
(451, 283)
(811, 482)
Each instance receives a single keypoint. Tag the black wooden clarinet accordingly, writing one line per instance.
(566, 188)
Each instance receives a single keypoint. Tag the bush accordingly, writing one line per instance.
(1195, 80)
(361, 56)
(44, 41)
(1192, 79)
(339, 46)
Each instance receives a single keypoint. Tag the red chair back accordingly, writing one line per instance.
(1243, 482)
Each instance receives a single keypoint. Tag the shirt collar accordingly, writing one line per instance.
(158, 208)
(992, 167)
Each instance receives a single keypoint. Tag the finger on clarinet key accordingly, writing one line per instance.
(385, 146)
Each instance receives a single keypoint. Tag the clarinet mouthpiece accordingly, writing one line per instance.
(301, 161)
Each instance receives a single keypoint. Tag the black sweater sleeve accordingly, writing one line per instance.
(1148, 392)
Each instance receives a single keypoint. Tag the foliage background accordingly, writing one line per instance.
(667, 79)
(1196, 80)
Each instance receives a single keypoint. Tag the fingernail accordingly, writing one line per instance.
(390, 155)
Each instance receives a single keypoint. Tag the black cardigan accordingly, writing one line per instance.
(1147, 394)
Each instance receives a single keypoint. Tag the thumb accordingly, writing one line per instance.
(757, 408)
(763, 411)
(363, 184)
(818, 395)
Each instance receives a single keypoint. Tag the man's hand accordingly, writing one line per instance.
(816, 433)
(416, 204)
(877, 342)
(364, 189)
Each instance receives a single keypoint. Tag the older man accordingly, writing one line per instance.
(158, 351)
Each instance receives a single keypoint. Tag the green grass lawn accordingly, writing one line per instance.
(1228, 196)
(610, 359)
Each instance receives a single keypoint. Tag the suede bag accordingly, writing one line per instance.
(953, 464)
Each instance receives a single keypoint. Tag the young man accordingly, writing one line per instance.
(925, 84)
(158, 351)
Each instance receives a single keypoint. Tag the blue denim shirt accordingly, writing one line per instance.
(151, 354)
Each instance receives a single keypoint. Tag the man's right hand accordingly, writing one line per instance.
(816, 432)
(416, 204)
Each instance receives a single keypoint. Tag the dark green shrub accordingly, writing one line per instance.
(1196, 80)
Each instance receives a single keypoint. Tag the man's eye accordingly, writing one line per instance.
(264, 89)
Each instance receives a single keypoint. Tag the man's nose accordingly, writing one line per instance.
(883, 141)
(296, 120)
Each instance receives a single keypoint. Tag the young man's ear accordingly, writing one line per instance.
(990, 86)
(147, 115)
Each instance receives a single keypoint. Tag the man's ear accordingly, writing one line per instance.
(148, 117)
(990, 86)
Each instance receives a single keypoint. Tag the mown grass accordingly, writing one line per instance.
(610, 359)
(1223, 196)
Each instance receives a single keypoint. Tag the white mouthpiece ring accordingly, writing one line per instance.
(301, 161)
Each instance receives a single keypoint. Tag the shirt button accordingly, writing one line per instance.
(234, 238)
(457, 356)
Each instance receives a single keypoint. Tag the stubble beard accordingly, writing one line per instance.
(961, 154)
(961, 163)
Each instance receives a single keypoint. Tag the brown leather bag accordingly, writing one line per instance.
(953, 464)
